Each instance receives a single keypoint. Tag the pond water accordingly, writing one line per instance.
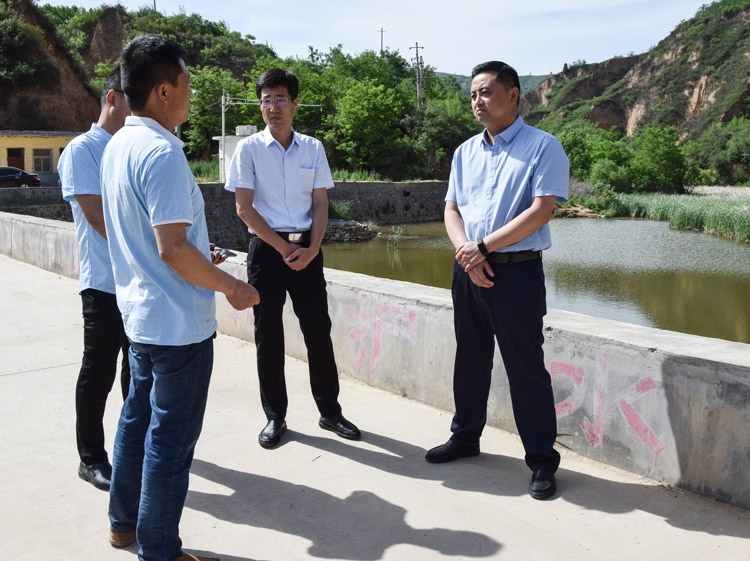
(636, 271)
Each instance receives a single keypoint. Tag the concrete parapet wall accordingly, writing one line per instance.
(380, 202)
(668, 406)
(47, 244)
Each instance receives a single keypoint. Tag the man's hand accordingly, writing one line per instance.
(243, 296)
(217, 258)
(300, 257)
(478, 275)
(469, 256)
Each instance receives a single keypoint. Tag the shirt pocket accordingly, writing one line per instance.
(307, 178)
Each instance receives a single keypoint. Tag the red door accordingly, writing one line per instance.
(15, 158)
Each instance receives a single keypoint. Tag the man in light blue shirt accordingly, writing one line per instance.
(280, 178)
(103, 334)
(503, 187)
(165, 277)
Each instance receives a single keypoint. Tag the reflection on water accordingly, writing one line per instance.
(639, 272)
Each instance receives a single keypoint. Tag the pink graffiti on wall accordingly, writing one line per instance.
(379, 319)
(243, 316)
(636, 422)
(593, 430)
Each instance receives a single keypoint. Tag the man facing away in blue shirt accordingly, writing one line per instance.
(165, 278)
(103, 333)
(502, 190)
(280, 178)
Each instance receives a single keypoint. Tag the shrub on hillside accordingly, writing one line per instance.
(607, 175)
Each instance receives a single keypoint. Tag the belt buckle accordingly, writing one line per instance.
(295, 237)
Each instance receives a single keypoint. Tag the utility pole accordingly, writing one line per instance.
(419, 68)
(381, 31)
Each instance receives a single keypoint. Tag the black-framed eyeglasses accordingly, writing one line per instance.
(280, 101)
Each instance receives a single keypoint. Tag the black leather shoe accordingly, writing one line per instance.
(96, 474)
(270, 436)
(340, 426)
(542, 484)
(450, 451)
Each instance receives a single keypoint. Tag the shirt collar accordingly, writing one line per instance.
(508, 134)
(96, 130)
(269, 139)
(132, 120)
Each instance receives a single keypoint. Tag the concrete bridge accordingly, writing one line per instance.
(643, 414)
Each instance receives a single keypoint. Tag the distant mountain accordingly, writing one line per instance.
(697, 76)
(53, 58)
(528, 82)
(41, 86)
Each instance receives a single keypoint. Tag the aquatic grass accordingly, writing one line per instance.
(722, 216)
(339, 210)
(396, 232)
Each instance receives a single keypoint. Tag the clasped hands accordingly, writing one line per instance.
(299, 257)
(475, 264)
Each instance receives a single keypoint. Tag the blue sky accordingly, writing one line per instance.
(533, 36)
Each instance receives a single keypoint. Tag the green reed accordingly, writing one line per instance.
(721, 216)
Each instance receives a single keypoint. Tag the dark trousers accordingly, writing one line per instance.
(103, 339)
(272, 277)
(511, 312)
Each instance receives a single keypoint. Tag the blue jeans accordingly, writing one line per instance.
(156, 436)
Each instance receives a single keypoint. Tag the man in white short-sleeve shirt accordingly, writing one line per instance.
(280, 178)
(103, 334)
(165, 277)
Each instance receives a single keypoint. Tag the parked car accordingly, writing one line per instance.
(14, 177)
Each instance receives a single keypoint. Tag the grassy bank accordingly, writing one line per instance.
(205, 171)
(723, 216)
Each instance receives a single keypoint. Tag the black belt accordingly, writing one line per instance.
(301, 238)
(510, 257)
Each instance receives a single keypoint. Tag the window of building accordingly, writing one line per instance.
(42, 160)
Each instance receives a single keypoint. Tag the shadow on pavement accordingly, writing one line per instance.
(338, 528)
(505, 476)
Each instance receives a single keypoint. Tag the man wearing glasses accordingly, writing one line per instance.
(103, 332)
(280, 178)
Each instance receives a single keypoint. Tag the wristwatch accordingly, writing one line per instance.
(482, 247)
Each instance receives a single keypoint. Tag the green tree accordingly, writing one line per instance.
(438, 129)
(585, 144)
(366, 126)
(607, 175)
(658, 163)
(575, 144)
(204, 120)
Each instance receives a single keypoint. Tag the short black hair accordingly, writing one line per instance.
(504, 73)
(147, 61)
(111, 82)
(278, 77)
